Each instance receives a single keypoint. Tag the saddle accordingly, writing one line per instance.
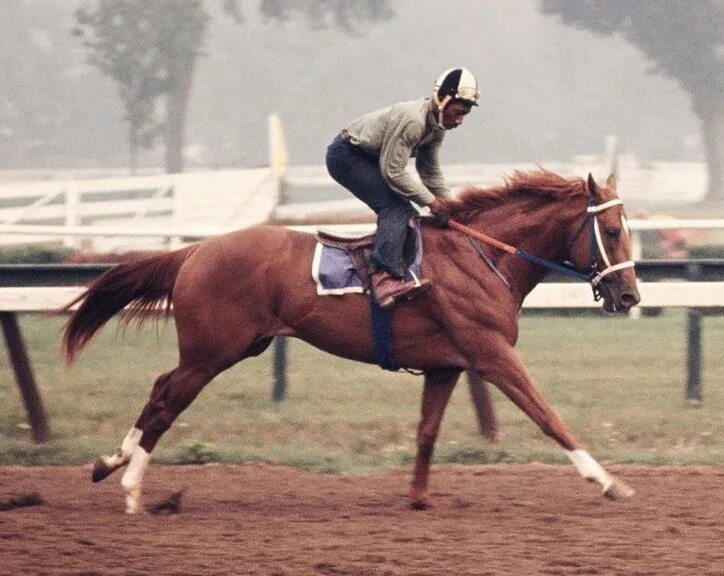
(357, 246)
(342, 263)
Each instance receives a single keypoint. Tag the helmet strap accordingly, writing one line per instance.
(441, 106)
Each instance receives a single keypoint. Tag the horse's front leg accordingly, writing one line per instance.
(439, 385)
(483, 403)
(508, 373)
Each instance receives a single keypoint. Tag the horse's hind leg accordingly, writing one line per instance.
(171, 395)
(106, 465)
(509, 374)
(439, 385)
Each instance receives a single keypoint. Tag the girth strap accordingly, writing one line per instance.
(382, 339)
(382, 336)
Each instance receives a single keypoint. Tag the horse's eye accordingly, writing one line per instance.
(613, 232)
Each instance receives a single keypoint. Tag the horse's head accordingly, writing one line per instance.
(603, 246)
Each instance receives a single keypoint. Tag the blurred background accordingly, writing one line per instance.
(557, 78)
(119, 88)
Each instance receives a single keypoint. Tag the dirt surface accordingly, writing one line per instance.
(261, 519)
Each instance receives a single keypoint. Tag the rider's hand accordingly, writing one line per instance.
(440, 211)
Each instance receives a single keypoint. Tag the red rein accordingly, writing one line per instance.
(482, 237)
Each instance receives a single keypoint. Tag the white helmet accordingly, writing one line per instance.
(456, 83)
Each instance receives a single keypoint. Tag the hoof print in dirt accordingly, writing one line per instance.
(22, 501)
(172, 504)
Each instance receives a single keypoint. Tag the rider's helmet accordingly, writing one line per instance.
(456, 83)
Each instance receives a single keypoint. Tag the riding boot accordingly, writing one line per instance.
(388, 290)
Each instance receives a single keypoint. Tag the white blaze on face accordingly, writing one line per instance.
(599, 242)
(626, 227)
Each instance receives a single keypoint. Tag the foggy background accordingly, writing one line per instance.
(549, 92)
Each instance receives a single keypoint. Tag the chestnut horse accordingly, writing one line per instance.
(233, 294)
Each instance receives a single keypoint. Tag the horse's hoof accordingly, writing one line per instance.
(101, 469)
(618, 490)
(421, 505)
(420, 502)
(132, 509)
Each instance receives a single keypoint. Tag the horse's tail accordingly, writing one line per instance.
(143, 285)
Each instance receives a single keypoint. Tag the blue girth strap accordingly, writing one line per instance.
(382, 336)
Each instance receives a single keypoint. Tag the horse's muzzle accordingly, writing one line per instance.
(619, 298)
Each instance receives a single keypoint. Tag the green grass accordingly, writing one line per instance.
(618, 383)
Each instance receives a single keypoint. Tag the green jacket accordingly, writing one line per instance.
(396, 134)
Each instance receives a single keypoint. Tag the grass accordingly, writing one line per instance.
(618, 383)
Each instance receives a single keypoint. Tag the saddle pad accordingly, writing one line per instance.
(334, 272)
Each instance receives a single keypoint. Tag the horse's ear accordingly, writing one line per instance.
(611, 182)
(592, 186)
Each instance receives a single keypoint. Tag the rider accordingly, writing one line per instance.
(370, 158)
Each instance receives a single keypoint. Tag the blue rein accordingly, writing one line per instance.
(566, 269)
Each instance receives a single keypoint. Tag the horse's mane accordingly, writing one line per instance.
(533, 184)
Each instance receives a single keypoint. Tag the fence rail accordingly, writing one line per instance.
(546, 296)
(211, 200)
(673, 183)
(43, 288)
(35, 275)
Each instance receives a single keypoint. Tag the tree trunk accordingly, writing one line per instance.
(132, 148)
(712, 122)
(177, 105)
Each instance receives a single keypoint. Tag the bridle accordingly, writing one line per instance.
(592, 275)
(597, 248)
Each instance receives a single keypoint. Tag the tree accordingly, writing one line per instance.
(684, 40)
(150, 49)
(31, 80)
(321, 13)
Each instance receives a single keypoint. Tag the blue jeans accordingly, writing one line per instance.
(360, 173)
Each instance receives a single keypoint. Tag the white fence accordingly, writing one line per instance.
(156, 211)
(671, 183)
(35, 211)
(672, 294)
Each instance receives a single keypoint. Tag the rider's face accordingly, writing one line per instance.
(454, 113)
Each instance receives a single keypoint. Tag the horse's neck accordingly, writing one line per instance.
(542, 231)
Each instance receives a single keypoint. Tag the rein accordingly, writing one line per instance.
(593, 276)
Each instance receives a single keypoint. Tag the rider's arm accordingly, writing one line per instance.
(394, 156)
(427, 162)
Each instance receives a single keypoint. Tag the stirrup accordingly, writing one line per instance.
(415, 278)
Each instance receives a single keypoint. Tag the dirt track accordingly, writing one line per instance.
(259, 519)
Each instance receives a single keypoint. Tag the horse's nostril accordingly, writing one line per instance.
(629, 299)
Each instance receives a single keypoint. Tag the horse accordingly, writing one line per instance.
(232, 294)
